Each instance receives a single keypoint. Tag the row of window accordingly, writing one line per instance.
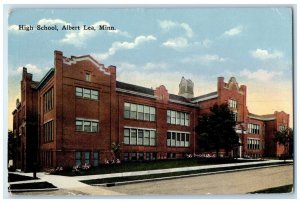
(139, 112)
(232, 104)
(48, 131)
(48, 100)
(82, 158)
(253, 128)
(87, 93)
(46, 158)
(178, 139)
(134, 136)
(178, 118)
(253, 144)
(133, 156)
(87, 125)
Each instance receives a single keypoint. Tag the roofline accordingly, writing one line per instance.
(44, 78)
(135, 93)
(261, 118)
(206, 98)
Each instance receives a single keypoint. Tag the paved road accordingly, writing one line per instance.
(226, 183)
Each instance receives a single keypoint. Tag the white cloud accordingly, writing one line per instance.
(78, 38)
(207, 58)
(207, 43)
(178, 42)
(260, 75)
(124, 45)
(233, 31)
(168, 24)
(31, 68)
(15, 29)
(150, 66)
(263, 54)
(50, 21)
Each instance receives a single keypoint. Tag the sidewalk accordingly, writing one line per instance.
(74, 184)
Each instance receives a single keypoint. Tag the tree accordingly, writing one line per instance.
(216, 130)
(285, 138)
(11, 147)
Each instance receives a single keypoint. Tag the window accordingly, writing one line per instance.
(48, 100)
(232, 104)
(78, 158)
(48, 131)
(234, 116)
(152, 138)
(126, 110)
(86, 93)
(133, 137)
(126, 136)
(96, 159)
(79, 92)
(88, 77)
(79, 125)
(140, 137)
(254, 144)
(139, 112)
(178, 118)
(94, 94)
(178, 139)
(282, 128)
(146, 137)
(253, 128)
(87, 125)
(143, 137)
(87, 157)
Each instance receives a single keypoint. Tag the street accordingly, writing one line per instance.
(241, 182)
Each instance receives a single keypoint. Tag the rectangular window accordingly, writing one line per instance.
(48, 100)
(182, 140)
(126, 136)
(133, 156)
(169, 139)
(232, 104)
(182, 117)
(168, 116)
(133, 111)
(140, 156)
(173, 117)
(253, 128)
(177, 139)
(94, 94)
(173, 141)
(94, 126)
(140, 137)
(88, 77)
(79, 92)
(78, 158)
(86, 93)
(152, 114)
(187, 119)
(126, 156)
(87, 157)
(178, 118)
(146, 137)
(187, 140)
(147, 113)
(140, 115)
(48, 131)
(152, 138)
(87, 126)
(79, 125)
(96, 159)
(133, 133)
(126, 110)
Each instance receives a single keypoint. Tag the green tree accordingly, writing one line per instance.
(285, 138)
(216, 130)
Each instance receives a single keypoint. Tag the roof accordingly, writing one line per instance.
(135, 88)
(266, 117)
(205, 96)
(45, 79)
(178, 98)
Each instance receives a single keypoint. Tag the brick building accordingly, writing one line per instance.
(78, 109)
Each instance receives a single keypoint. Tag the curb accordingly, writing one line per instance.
(188, 175)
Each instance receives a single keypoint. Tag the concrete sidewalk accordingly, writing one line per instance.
(73, 183)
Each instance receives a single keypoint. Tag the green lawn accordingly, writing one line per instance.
(281, 189)
(152, 165)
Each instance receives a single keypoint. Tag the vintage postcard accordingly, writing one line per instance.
(150, 101)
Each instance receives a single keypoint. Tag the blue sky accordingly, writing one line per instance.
(156, 46)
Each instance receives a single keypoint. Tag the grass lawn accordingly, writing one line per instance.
(143, 177)
(281, 189)
(38, 185)
(15, 177)
(152, 165)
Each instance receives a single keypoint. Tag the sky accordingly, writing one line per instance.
(154, 46)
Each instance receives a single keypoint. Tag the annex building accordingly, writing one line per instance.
(78, 109)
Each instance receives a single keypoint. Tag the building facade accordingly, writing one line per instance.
(78, 110)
